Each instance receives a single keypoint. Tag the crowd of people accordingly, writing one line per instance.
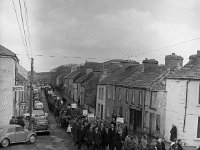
(17, 120)
(101, 135)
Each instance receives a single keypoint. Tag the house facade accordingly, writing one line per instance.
(183, 101)
(8, 61)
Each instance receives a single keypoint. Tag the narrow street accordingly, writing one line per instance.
(57, 140)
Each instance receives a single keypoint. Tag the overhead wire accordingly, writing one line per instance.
(168, 46)
(27, 24)
(23, 27)
(23, 41)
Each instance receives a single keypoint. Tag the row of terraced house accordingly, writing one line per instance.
(150, 97)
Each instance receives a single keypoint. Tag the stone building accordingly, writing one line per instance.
(8, 61)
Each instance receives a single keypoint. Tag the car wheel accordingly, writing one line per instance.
(32, 138)
(5, 143)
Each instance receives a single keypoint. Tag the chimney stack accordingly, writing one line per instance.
(149, 64)
(173, 61)
(87, 71)
(192, 57)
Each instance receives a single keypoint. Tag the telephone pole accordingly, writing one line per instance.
(31, 95)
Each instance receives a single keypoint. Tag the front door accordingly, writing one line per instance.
(20, 135)
(101, 111)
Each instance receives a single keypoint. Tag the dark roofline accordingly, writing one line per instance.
(8, 53)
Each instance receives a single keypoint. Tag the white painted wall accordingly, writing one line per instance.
(101, 101)
(175, 110)
(7, 81)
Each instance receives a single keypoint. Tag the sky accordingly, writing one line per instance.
(73, 31)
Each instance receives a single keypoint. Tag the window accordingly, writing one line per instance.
(127, 95)
(99, 92)
(18, 129)
(133, 97)
(113, 110)
(126, 116)
(157, 122)
(113, 93)
(199, 93)
(108, 114)
(11, 130)
(119, 94)
(120, 112)
(153, 97)
(109, 92)
(140, 97)
(198, 128)
(98, 108)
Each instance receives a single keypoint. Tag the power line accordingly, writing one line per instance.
(19, 24)
(26, 18)
(168, 46)
(24, 29)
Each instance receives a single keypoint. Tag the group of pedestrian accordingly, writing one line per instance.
(17, 120)
(97, 136)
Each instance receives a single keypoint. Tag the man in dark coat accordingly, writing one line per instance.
(89, 137)
(13, 120)
(173, 132)
(97, 139)
(80, 136)
(112, 137)
(105, 138)
(20, 121)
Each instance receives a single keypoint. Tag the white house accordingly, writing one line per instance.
(8, 63)
(183, 102)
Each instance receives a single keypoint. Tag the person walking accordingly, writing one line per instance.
(97, 139)
(89, 138)
(112, 137)
(105, 138)
(80, 136)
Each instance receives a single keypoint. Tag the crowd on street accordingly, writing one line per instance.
(96, 134)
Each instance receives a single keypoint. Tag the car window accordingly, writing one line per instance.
(11, 130)
(18, 129)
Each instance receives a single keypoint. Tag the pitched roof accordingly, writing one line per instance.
(73, 74)
(145, 79)
(189, 71)
(120, 74)
(6, 52)
(84, 78)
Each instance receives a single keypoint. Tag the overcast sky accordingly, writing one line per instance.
(97, 30)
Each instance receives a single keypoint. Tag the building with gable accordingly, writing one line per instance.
(183, 102)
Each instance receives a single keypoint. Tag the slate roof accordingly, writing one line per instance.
(117, 76)
(189, 71)
(149, 79)
(6, 52)
(84, 78)
(73, 74)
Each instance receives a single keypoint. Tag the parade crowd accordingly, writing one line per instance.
(97, 134)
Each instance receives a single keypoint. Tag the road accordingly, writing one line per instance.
(57, 140)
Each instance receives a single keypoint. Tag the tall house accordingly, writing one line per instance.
(183, 102)
(8, 61)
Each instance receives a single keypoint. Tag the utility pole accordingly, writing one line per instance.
(31, 95)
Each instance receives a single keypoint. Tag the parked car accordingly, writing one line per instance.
(38, 105)
(35, 113)
(41, 124)
(15, 134)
